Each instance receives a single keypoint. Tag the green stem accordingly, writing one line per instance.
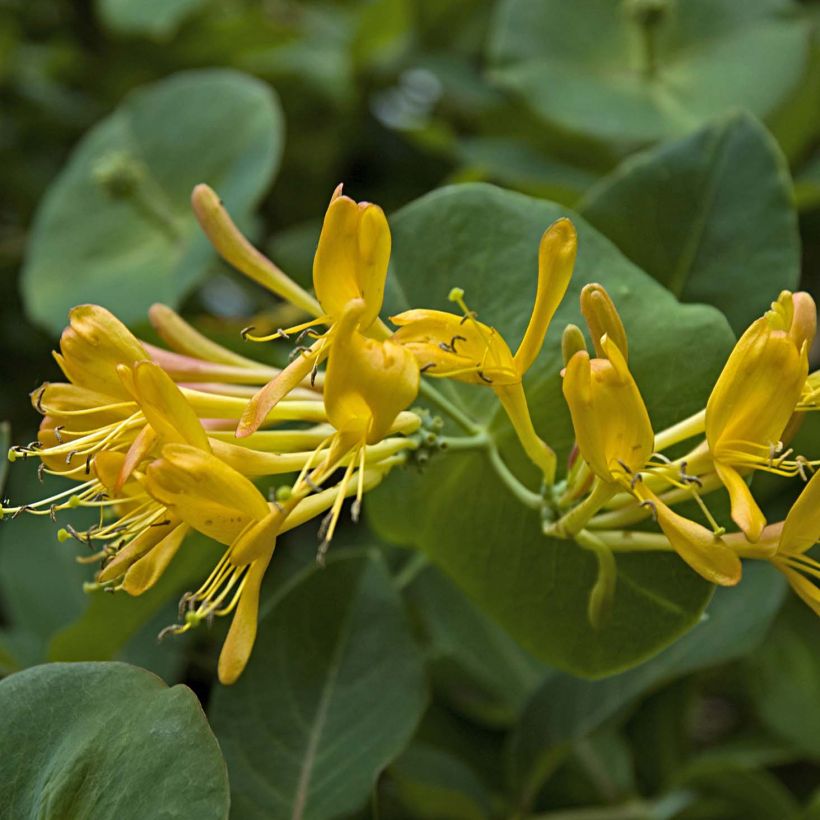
(462, 419)
(526, 496)
(631, 541)
(576, 519)
(411, 570)
(479, 441)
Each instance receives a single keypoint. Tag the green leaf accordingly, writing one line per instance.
(710, 216)
(784, 678)
(157, 18)
(332, 694)
(5, 440)
(566, 708)
(486, 240)
(116, 227)
(584, 66)
(474, 662)
(106, 740)
(432, 783)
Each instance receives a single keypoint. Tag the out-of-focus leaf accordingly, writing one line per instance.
(566, 708)
(106, 740)
(478, 666)
(510, 162)
(435, 785)
(732, 794)
(710, 216)
(485, 240)
(784, 678)
(585, 66)
(807, 185)
(158, 18)
(332, 694)
(111, 620)
(116, 227)
(40, 580)
(5, 433)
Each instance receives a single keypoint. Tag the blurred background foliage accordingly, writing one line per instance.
(686, 131)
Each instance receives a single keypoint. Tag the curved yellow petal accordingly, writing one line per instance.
(368, 382)
(148, 569)
(745, 511)
(699, 547)
(254, 415)
(801, 529)
(802, 586)
(446, 345)
(205, 493)
(165, 408)
(351, 257)
(556, 259)
(241, 636)
(92, 346)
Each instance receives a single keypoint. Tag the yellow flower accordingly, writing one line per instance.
(754, 399)
(367, 384)
(350, 265)
(460, 347)
(615, 438)
(612, 426)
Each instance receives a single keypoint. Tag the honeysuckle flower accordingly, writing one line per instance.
(448, 345)
(367, 384)
(755, 397)
(350, 265)
(614, 436)
(209, 496)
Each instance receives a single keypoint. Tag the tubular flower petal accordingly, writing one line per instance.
(602, 318)
(556, 260)
(448, 347)
(610, 419)
(368, 382)
(205, 493)
(92, 346)
(701, 548)
(351, 257)
(754, 399)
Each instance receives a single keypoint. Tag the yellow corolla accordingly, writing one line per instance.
(367, 384)
(350, 265)
(614, 435)
(448, 345)
(755, 397)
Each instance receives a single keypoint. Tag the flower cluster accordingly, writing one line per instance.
(166, 441)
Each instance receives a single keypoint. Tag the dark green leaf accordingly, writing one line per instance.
(106, 740)
(565, 708)
(710, 216)
(436, 785)
(116, 227)
(158, 18)
(332, 694)
(784, 678)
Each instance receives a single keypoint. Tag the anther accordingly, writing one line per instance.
(312, 484)
(650, 505)
(39, 402)
(484, 378)
(41, 469)
(70, 456)
(88, 463)
(313, 374)
(427, 367)
(445, 347)
(244, 334)
(57, 433)
(169, 630)
(356, 510)
(454, 340)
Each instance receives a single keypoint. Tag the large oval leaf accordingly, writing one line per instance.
(106, 740)
(116, 227)
(331, 695)
(710, 216)
(485, 240)
(582, 67)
